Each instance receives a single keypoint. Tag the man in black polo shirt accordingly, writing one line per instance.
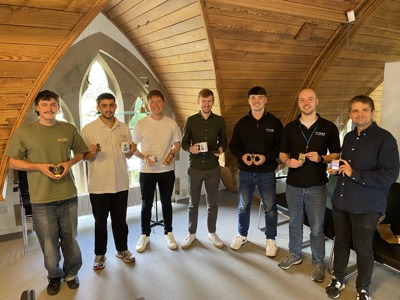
(304, 149)
(205, 139)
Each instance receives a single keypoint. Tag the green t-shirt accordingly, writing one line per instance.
(36, 143)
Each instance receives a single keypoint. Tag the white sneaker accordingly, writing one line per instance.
(215, 240)
(270, 248)
(143, 241)
(126, 256)
(169, 238)
(188, 240)
(238, 241)
(99, 262)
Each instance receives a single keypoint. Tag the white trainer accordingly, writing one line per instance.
(270, 248)
(215, 240)
(126, 256)
(169, 238)
(238, 241)
(188, 240)
(143, 241)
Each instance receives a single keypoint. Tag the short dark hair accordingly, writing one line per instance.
(156, 93)
(205, 93)
(363, 99)
(46, 95)
(257, 90)
(104, 96)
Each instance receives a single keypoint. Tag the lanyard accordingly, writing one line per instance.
(311, 135)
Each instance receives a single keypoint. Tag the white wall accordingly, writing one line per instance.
(391, 100)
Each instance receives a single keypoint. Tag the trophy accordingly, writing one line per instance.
(253, 158)
(167, 160)
(133, 147)
(56, 170)
(250, 157)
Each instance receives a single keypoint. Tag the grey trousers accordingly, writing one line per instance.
(211, 180)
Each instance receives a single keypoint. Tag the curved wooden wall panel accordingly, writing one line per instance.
(33, 36)
(225, 45)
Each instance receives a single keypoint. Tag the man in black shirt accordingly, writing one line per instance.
(255, 144)
(304, 149)
(205, 139)
(370, 164)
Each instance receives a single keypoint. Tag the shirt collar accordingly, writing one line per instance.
(116, 123)
(201, 116)
(366, 130)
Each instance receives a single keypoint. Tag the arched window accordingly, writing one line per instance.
(96, 82)
(138, 112)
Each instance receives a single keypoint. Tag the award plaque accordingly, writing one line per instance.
(57, 171)
(203, 147)
(125, 147)
(302, 157)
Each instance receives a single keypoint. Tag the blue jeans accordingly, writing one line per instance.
(266, 184)
(56, 225)
(312, 201)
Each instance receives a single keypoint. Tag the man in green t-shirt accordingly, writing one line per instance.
(43, 149)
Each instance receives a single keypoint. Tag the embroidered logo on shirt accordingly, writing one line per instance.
(63, 139)
(269, 130)
(320, 133)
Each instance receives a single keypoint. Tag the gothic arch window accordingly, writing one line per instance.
(96, 83)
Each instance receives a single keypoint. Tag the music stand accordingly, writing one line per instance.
(156, 221)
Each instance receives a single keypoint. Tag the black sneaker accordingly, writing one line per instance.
(363, 295)
(74, 283)
(334, 288)
(54, 286)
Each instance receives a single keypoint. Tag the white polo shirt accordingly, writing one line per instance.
(108, 172)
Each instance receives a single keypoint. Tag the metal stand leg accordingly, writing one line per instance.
(156, 221)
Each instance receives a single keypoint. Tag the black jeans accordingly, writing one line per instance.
(354, 231)
(148, 183)
(114, 204)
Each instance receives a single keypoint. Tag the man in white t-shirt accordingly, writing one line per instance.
(159, 140)
(110, 144)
